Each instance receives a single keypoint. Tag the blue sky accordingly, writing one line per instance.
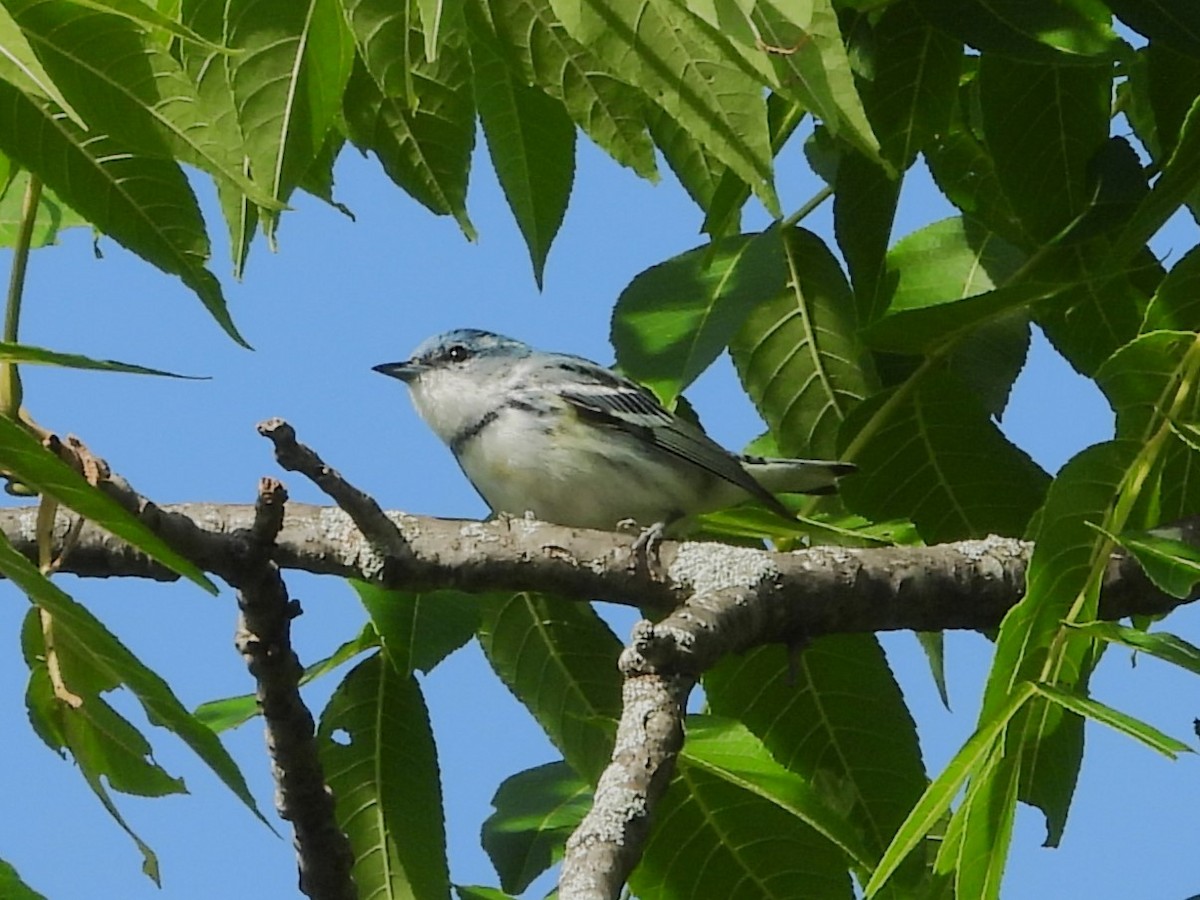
(340, 296)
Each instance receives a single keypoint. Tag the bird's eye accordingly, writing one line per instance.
(457, 353)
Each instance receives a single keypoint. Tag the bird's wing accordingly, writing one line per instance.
(611, 400)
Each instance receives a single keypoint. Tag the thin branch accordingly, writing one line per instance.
(264, 640)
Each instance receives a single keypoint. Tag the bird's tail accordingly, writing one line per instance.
(796, 476)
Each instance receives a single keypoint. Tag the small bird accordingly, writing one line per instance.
(576, 444)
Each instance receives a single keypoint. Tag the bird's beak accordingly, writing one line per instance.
(406, 371)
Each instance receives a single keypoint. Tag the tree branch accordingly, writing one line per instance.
(264, 640)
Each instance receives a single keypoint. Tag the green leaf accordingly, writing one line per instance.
(915, 83)
(1077, 31)
(475, 892)
(714, 838)
(864, 209)
(723, 209)
(610, 112)
(38, 467)
(560, 660)
(835, 717)
(674, 319)
(963, 169)
(1063, 581)
(727, 749)
(1106, 715)
(798, 354)
(535, 812)
(130, 86)
(230, 712)
(699, 170)
(23, 353)
(1092, 319)
(1178, 182)
(1173, 566)
(13, 887)
(1042, 161)
(1160, 644)
(426, 148)
(381, 31)
(287, 80)
(52, 216)
(936, 800)
(376, 748)
(986, 815)
(145, 204)
(931, 452)
(658, 45)
(804, 46)
(419, 630)
(934, 645)
(1140, 381)
(1173, 22)
(151, 18)
(20, 66)
(80, 635)
(1176, 304)
(531, 140)
(948, 261)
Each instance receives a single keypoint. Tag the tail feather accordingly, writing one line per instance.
(796, 476)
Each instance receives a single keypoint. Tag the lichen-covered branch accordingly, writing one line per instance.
(779, 596)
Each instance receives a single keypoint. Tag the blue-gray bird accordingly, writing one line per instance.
(577, 444)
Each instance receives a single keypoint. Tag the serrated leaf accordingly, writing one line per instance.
(804, 45)
(151, 18)
(657, 45)
(674, 319)
(535, 812)
(230, 712)
(145, 204)
(381, 34)
(914, 87)
(78, 631)
(715, 839)
(798, 354)
(723, 214)
(376, 748)
(419, 630)
(698, 169)
(426, 148)
(1175, 306)
(560, 660)
(20, 66)
(287, 78)
(610, 112)
(835, 717)
(476, 892)
(36, 466)
(1114, 718)
(726, 748)
(864, 208)
(531, 140)
(1178, 181)
(1042, 161)
(131, 87)
(931, 452)
(937, 798)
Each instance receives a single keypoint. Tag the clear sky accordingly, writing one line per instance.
(340, 296)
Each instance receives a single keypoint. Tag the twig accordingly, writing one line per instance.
(264, 640)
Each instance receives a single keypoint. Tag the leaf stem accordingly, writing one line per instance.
(813, 202)
(10, 379)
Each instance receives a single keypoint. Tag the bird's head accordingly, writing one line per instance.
(456, 377)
